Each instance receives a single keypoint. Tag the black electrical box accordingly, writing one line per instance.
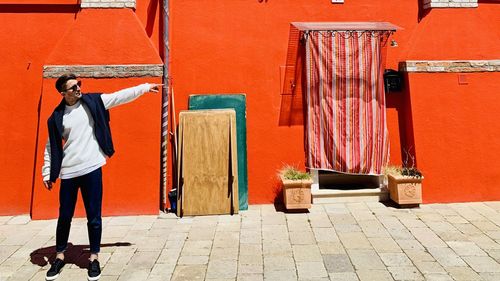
(393, 81)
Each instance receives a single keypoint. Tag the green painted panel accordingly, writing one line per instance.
(238, 103)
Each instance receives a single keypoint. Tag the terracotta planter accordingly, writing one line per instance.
(297, 193)
(405, 190)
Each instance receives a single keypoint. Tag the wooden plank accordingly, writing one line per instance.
(180, 174)
(208, 162)
(238, 103)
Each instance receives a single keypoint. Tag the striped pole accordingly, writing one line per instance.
(164, 109)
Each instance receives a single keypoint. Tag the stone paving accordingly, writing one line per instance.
(343, 241)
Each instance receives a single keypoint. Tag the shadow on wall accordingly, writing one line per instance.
(401, 102)
(421, 11)
(277, 189)
(75, 254)
(406, 129)
(33, 176)
(292, 105)
(152, 8)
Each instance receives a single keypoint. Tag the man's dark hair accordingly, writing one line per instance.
(61, 81)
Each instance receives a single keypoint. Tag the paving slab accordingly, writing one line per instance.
(275, 275)
(302, 238)
(483, 264)
(222, 269)
(250, 277)
(250, 269)
(463, 273)
(338, 263)
(395, 259)
(429, 267)
(385, 245)
(277, 248)
(354, 240)
(306, 253)
(325, 234)
(405, 273)
(189, 272)
(251, 259)
(191, 260)
(19, 220)
(345, 276)
(279, 264)
(374, 275)
(438, 277)
(446, 257)
(490, 276)
(365, 259)
(331, 248)
(427, 237)
(409, 244)
(224, 253)
(466, 248)
(311, 270)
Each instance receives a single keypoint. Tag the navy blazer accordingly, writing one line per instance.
(102, 130)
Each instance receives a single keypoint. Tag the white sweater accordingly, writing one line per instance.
(81, 152)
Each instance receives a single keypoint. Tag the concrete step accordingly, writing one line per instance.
(326, 196)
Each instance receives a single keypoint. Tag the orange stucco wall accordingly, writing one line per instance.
(225, 46)
(32, 37)
(26, 43)
(454, 129)
(243, 45)
(104, 36)
(456, 133)
(239, 46)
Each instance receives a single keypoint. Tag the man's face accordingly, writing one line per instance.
(72, 92)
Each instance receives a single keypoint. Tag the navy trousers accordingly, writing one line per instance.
(91, 189)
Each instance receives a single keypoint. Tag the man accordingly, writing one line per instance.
(79, 144)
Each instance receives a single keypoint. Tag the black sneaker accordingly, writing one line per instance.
(55, 269)
(94, 272)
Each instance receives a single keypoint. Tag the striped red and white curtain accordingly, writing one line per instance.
(346, 127)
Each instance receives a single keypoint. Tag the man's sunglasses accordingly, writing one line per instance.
(75, 87)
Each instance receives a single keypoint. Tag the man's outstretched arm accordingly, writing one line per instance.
(128, 95)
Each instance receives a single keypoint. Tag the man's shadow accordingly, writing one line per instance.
(74, 254)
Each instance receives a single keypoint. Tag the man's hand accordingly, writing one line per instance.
(155, 88)
(48, 185)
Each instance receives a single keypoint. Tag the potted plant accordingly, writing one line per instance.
(296, 188)
(405, 185)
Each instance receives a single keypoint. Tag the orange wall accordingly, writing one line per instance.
(239, 46)
(25, 42)
(456, 135)
(440, 36)
(104, 36)
(30, 34)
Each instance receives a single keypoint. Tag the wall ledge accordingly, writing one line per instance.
(450, 66)
(428, 4)
(39, 2)
(108, 4)
(104, 71)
